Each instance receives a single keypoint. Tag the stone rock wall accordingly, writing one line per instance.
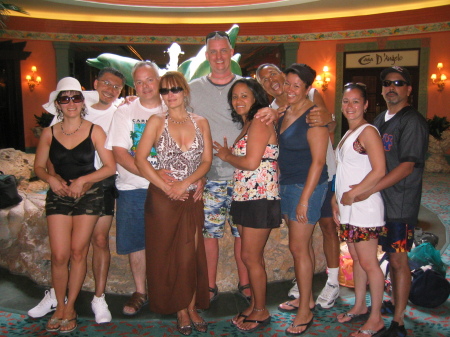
(436, 162)
(24, 245)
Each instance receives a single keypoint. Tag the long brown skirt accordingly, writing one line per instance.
(175, 252)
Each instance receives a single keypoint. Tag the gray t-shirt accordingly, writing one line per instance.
(210, 101)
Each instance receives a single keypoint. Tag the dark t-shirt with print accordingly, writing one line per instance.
(405, 139)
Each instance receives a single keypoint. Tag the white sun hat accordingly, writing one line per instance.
(69, 84)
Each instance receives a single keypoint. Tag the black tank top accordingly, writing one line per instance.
(74, 163)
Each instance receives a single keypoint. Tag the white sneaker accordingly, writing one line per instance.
(328, 296)
(48, 304)
(294, 293)
(100, 309)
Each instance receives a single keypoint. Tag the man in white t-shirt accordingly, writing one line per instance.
(272, 79)
(101, 103)
(124, 135)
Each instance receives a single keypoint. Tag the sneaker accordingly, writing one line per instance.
(328, 296)
(48, 304)
(100, 309)
(294, 293)
(395, 330)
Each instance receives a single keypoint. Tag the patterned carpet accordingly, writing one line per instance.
(420, 322)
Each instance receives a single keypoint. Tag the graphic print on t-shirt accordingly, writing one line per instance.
(136, 135)
(388, 142)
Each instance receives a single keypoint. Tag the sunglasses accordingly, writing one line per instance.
(174, 90)
(398, 83)
(67, 99)
(217, 32)
(110, 85)
(355, 84)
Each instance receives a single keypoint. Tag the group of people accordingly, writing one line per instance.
(179, 182)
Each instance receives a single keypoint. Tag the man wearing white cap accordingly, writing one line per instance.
(101, 104)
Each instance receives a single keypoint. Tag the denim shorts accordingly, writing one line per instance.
(327, 211)
(130, 225)
(217, 200)
(290, 197)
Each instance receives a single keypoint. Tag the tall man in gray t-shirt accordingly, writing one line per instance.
(209, 99)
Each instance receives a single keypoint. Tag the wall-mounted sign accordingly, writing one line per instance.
(382, 59)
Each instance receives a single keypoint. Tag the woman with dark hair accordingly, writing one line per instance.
(361, 165)
(303, 183)
(255, 205)
(74, 201)
(177, 276)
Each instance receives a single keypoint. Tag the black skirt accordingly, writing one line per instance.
(260, 213)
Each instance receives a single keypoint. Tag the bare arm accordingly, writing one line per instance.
(318, 143)
(371, 141)
(40, 164)
(320, 116)
(391, 178)
(259, 135)
(124, 159)
(140, 163)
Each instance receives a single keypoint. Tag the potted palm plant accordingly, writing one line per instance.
(42, 121)
(439, 144)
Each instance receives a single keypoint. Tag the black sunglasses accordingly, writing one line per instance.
(398, 83)
(174, 90)
(217, 32)
(355, 84)
(67, 99)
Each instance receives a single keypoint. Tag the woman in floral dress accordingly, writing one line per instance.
(255, 206)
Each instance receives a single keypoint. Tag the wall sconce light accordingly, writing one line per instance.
(32, 79)
(324, 79)
(439, 80)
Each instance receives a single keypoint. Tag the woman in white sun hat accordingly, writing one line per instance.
(74, 201)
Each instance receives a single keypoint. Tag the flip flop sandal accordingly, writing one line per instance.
(215, 292)
(298, 325)
(373, 333)
(237, 317)
(355, 317)
(294, 308)
(241, 292)
(288, 304)
(136, 301)
(261, 324)
(65, 322)
(53, 321)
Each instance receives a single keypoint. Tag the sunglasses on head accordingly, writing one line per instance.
(218, 32)
(398, 83)
(174, 90)
(67, 99)
(355, 84)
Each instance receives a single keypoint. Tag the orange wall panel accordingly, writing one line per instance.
(43, 57)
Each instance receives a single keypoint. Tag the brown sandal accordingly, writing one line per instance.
(136, 301)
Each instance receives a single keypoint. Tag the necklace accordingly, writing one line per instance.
(69, 134)
(176, 122)
(290, 115)
(219, 85)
